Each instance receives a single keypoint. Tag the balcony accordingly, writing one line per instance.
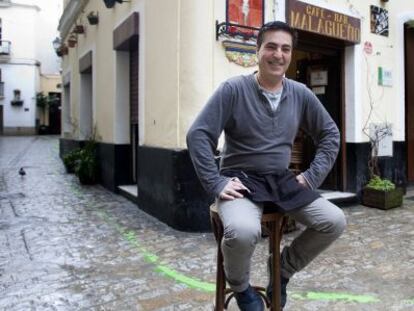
(5, 3)
(1, 90)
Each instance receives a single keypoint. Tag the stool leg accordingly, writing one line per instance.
(220, 280)
(220, 276)
(274, 246)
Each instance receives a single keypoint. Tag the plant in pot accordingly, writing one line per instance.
(87, 165)
(62, 50)
(72, 40)
(382, 193)
(378, 192)
(78, 29)
(70, 160)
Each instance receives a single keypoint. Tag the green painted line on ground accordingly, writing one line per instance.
(325, 296)
(131, 237)
(408, 302)
(194, 283)
(189, 281)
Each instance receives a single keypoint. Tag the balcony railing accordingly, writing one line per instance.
(5, 3)
(1, 90)
(5, 47)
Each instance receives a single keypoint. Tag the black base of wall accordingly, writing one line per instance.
(114, 162)
(168, 189)
(115, 165)
(393, 168)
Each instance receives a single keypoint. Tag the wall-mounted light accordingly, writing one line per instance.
(56, 43)
(59, 47)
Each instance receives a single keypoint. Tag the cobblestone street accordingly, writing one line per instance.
(64, 246)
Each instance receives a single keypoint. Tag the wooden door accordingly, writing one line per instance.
(409, 100)
(1, 119)
(133, 101)
(55, 123)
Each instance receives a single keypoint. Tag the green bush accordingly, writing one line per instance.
(70, 159)
(380, 184)
(87, 165)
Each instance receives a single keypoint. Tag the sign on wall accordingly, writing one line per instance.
(384, 76)
(246, 13)
(379, 21)
(319, 20)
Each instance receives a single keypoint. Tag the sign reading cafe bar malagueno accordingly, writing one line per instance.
(315, 19)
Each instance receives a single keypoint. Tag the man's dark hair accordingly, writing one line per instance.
(276, 25)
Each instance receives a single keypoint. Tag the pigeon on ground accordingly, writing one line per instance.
(22, 172)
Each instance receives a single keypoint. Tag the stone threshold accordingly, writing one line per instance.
(129, 191)
(339, 196)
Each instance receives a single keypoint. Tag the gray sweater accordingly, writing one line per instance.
(256, 138)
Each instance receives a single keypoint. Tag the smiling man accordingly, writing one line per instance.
(260, 115)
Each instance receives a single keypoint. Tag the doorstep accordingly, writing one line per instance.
(129, 191)
(339, 197)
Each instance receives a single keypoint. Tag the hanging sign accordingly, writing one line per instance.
(308, 17)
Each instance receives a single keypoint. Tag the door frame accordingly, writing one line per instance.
(409, 100)
(327, 46)
(1, 119)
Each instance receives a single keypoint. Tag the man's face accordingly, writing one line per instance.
(275, 54)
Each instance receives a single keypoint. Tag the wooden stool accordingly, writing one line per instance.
(274, 223)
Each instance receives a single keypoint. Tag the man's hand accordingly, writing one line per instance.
(301, 180)
(232, 190)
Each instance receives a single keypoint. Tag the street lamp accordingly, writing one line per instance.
(56, 43)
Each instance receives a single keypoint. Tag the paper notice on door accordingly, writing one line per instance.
(319, 77)
(318, 90)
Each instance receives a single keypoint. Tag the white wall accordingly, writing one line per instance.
(46, 24)
(31, 27)
(22, 78)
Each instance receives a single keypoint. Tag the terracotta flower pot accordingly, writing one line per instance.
(72, 41)
(79, 29)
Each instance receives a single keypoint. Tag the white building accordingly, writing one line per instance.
(27, 58)
(140, 74)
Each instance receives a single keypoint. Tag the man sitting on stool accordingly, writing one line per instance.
(261, 114)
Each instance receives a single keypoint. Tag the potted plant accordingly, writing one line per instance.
(62, 50)
(86, 167)
(93, 18)
(78, 29)
(378, 192)
(382, 193)
(70, 159)
(72, 41)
